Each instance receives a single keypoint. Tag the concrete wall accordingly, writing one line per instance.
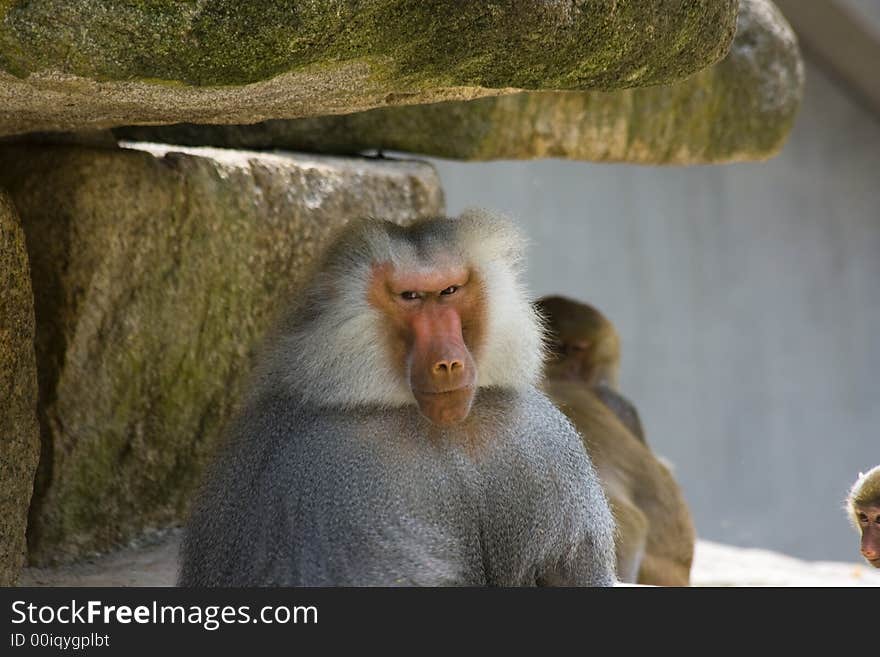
(748, 298)
(867, 10)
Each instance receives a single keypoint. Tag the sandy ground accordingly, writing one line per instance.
(724, 565)
(154, 563)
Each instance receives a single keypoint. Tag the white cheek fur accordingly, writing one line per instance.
(338, 357)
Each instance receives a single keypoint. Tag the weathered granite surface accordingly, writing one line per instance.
(155, 274)
(743, 108)
(82, 64)
(19, 431)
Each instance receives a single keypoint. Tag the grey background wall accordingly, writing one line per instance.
(748, 298)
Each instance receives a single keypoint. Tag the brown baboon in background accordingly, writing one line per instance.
(863, 507)
(655, 534)
(584, 346)
(394, 434)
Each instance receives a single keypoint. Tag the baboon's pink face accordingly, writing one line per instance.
(435, 324)
(868, 517)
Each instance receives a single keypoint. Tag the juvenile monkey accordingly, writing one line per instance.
(863, 507)
(394, 434)
(585, 346)
(655, 535)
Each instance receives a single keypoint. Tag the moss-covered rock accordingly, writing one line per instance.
(19, 431)
(79, 64)
(740, 109)
(154, 275)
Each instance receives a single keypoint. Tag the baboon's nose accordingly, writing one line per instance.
(447, 367)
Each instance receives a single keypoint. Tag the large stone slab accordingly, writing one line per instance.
(19, 430)
(155, 273)
(740, 109)
(80, 64)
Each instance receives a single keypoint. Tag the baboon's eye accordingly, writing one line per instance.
(863, 517)
(556, 347)
(449, 290)
(409, 296)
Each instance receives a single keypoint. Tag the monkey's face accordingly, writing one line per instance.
(868, 518)
(582, 345)
(434, 319)
(578, 355)
(570, 358)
